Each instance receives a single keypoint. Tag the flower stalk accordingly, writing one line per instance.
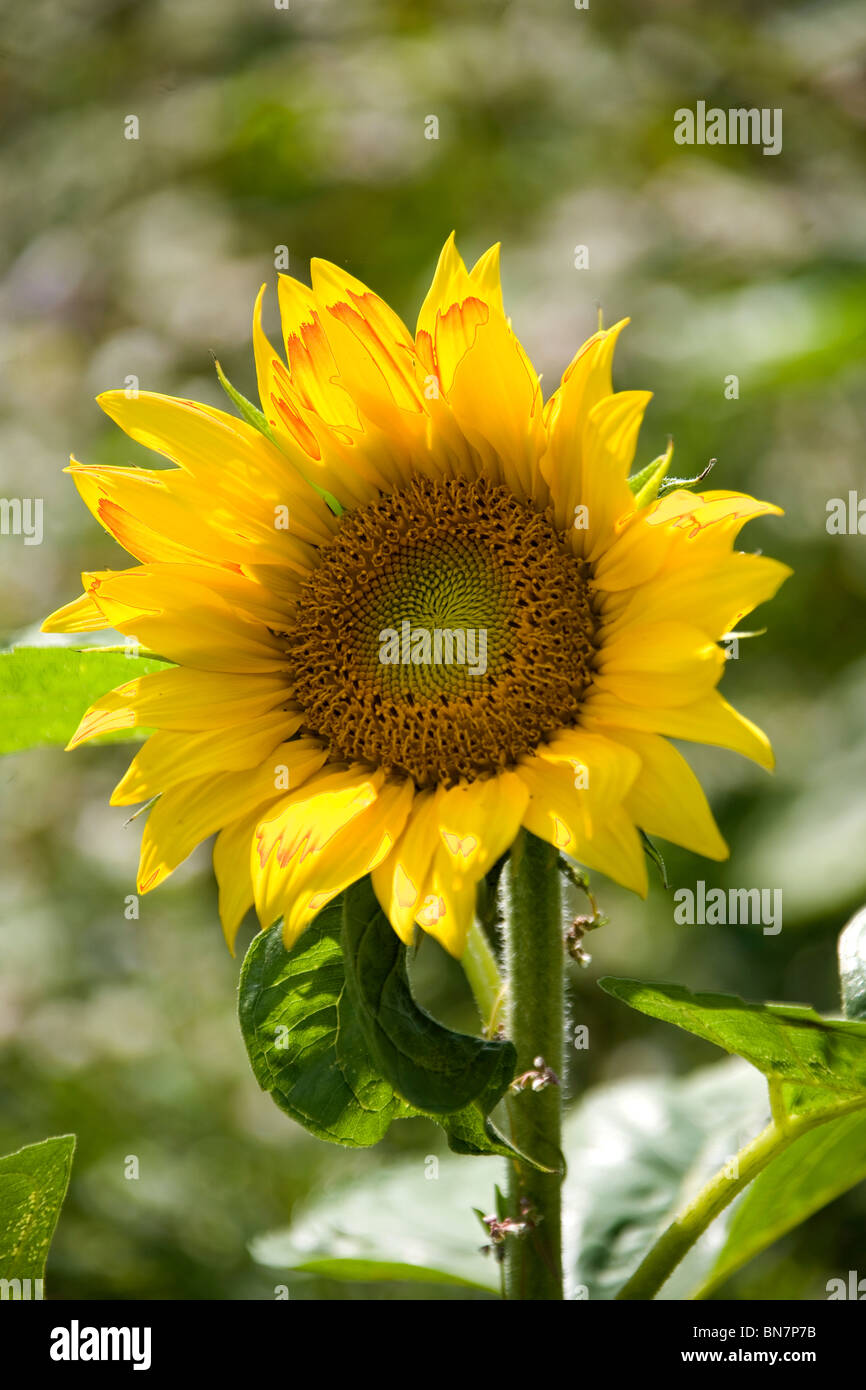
(536, 1025)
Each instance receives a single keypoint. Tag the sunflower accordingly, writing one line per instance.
(319, 572)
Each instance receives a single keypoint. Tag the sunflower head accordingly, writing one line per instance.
(407, 608)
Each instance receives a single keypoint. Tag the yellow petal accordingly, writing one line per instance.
(662, 663)
(677, 529)
(181, 700)
(448, 910)
(477, 823)
(667, 799)
(400, 880)
(313, 416)
(709, 720)
(710, 595)
(185, 621)
(164, 515)
(314, 844)
(609, 442)
(166, 759)
(563, 815)
(81, 615)
(231, 862)
(239, 468)
(354, 852)
(187, 814)
(301, 824)
(495, 398)
(602, 771)
(373, 348)
(586, 382)
(486, 278)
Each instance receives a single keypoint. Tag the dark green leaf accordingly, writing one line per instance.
(308, 1048)
(304, 1039)
(33, 1184)
(432, 1067)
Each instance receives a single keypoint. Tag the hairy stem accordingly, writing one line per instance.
(536, 1024)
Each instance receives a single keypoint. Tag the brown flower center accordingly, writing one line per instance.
(447, 630)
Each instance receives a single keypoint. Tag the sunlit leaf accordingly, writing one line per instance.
(44, 691)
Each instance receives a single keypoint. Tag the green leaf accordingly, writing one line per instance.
(435, 1069)
(818, 1167)
(44, 691)
(815, 1063)
(304, 1039)
(309, 1049)
(407, 1221)
(645, 484)
(852, 967)
(33, 1184)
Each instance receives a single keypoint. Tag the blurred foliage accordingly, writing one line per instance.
(305, 128)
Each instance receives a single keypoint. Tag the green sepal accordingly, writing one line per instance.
(645, 484)
(250, 412)
(254, 417)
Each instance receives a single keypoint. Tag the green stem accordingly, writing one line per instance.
(661, 1261)
(485, 981)
(536, 1024)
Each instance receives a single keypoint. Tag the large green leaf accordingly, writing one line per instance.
(819, 1166)
(308, 1042)
(434, 1068)
(817, 1064)
(33, 1184)
(410, 1221)
(304, 1040)
(44, 691)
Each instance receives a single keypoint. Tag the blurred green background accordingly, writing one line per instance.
(305, 127)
